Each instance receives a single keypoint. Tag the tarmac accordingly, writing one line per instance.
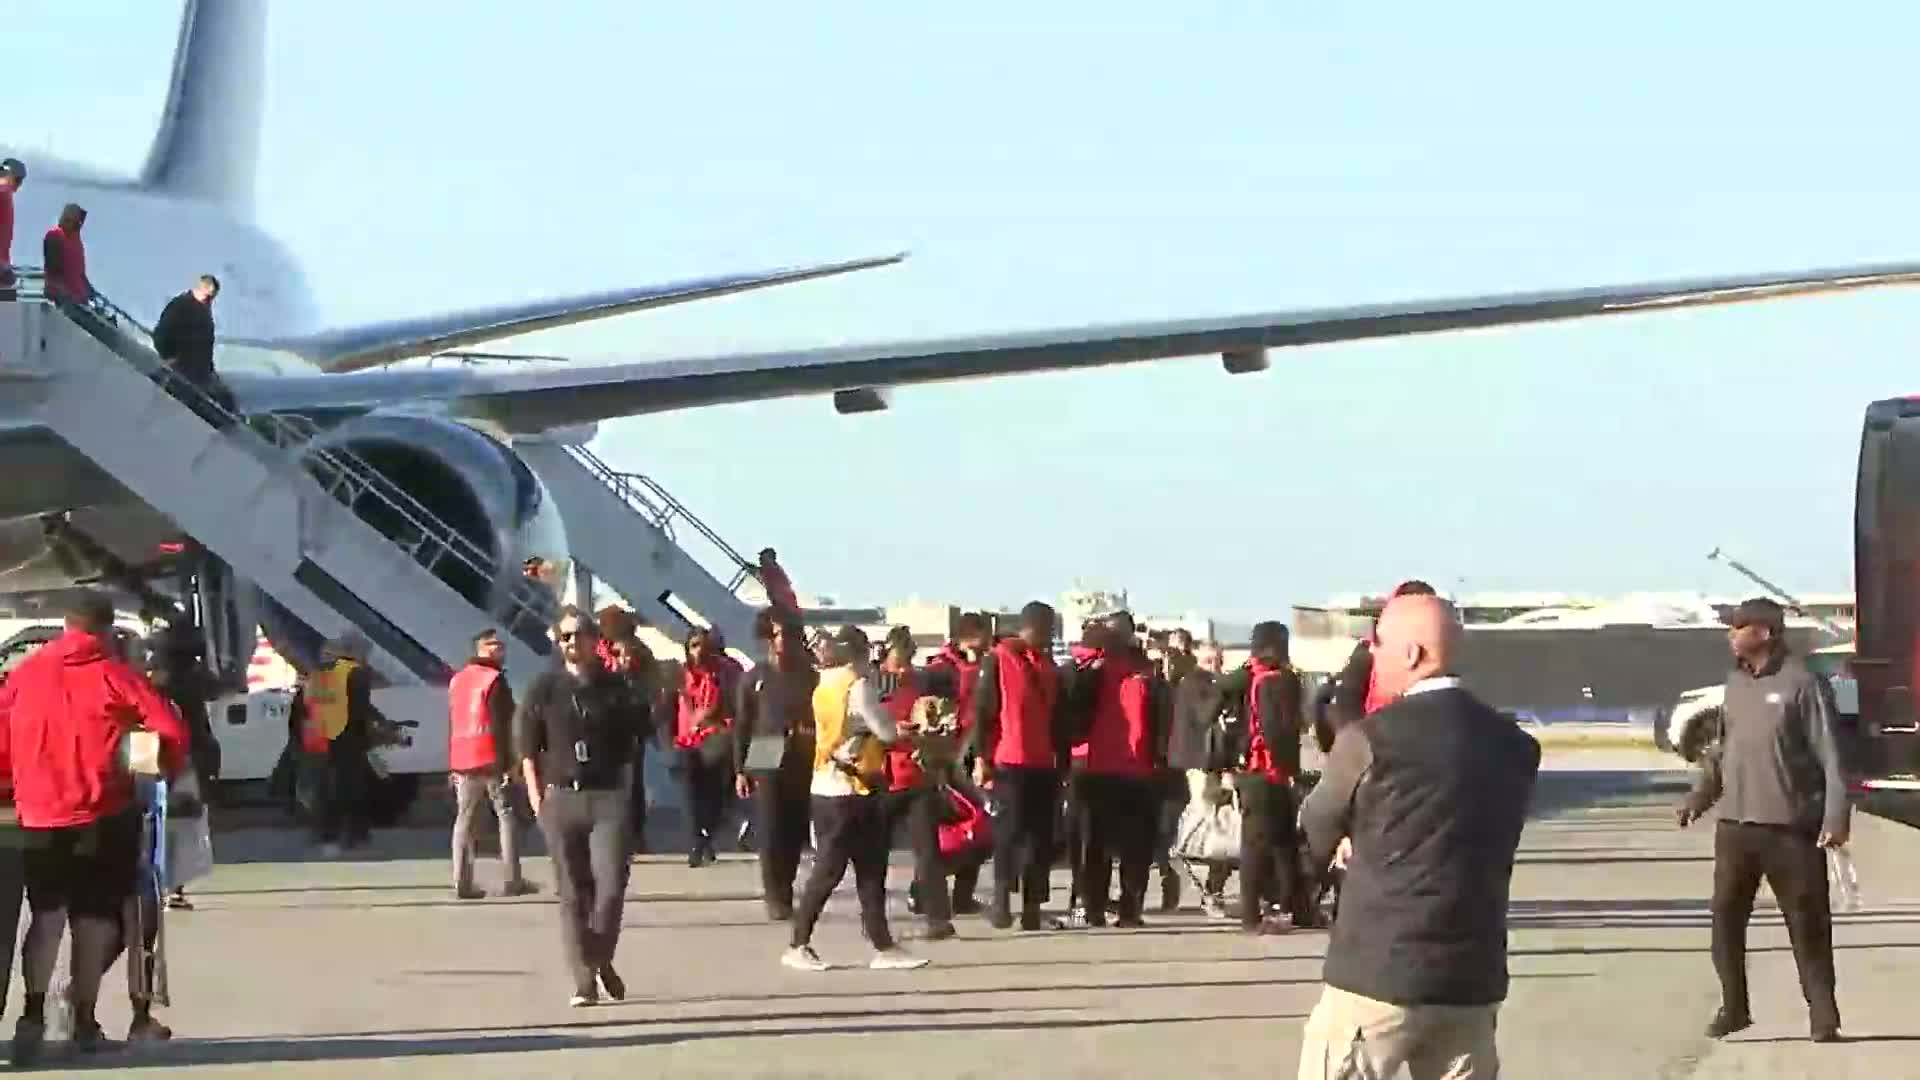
(370, 967)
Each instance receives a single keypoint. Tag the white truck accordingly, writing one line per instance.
(1694, 723)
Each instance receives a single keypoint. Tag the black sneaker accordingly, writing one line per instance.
(999, 917)
(1169, 892)
(1129, 922)
(93, 1039)
(148, 1030)
(940, 932)
(967, 905)
(611, 982)
(779, 912)
(29, 1037)
(1725, 1023)
(1825, 1033)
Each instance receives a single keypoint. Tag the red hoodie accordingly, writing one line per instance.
(66, 708)
(704, 687)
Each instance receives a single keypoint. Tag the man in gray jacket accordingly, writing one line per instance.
(1782, 801)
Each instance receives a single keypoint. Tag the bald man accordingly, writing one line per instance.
(1432, 790)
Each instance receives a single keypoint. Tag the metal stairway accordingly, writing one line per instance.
(621, 526)
(256, 495)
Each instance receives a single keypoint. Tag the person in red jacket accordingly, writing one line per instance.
(480, 758)
(70, 708)
(1118, 794)
(64, 255)
(1269, 837)
(703, 735)
(914, 796)
(12, 174)
(1022, 732)
(780, 594)
(954, 671)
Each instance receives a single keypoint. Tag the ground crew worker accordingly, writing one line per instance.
(480, 757)
(12, 174)
(1269, 835)
(851, 731)
(776, 703)
(64, 258)
(575, 735)
(1776, 778)
(332, 716)
(1124, 751)
(1020, 733)
(68, 707)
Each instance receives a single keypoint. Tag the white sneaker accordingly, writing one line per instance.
(896, 960)
(804, 958)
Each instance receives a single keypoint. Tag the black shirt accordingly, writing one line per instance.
(184, 337)
(582, 730)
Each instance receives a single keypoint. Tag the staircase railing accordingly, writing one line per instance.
(654, 502)
(345, 476)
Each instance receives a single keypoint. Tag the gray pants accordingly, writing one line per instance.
(587, 838)
(469, 790)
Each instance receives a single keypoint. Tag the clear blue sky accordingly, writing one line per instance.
(1079, 162)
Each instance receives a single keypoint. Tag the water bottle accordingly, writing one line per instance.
(1844, 880)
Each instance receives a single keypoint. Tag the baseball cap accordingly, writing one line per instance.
(854, 638)
(14, 167)
(1758, 612)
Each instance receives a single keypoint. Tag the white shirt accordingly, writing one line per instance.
(1435, 682)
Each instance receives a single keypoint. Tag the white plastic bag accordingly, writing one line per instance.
(1209, 832)
(1843, 880)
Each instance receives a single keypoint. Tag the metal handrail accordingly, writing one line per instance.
(662, 513)
(350, 475)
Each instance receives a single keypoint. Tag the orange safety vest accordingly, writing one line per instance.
(470, 745)
(325, 701)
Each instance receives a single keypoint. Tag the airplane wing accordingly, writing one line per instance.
(373, 344)
(527, 401)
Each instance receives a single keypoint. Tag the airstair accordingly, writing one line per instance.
(622, 526)
(254, 493)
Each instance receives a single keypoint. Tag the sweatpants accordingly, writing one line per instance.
(848, 829)
(1796, 870)
(470, 790)
(706, 799)
(920, 808)
(1122, 815)
(782, 810)
(586, 835)
(1026, 802)
(1269, 849)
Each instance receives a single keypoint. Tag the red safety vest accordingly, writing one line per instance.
(1029, 687)
(902, 771)
(1119, 740)
(470, 746)
(71, 282)
(1260, 757)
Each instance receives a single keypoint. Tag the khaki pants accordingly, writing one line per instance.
(470, 791)
(1350, 1037)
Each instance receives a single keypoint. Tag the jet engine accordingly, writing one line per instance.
(442, 475)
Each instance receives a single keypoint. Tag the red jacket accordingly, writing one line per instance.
(70, 280)
(1029, 689)
(966, 676)
(66, 708)
(1260, 756)
(1120, 739)
(707, 687)
(902, 771)
(6, 228)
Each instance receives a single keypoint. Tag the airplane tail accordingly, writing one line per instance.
(208, 145)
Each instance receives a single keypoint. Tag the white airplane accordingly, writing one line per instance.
(441, 434)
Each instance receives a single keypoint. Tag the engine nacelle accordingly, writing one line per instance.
(465, 479)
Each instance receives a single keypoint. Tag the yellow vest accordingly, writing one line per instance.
(831, 728)
(326, 706)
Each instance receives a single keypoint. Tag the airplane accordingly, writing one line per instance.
(443, 434)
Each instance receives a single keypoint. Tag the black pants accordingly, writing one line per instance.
(920, 807)
(1173, 802)
(782, 811)
(706, 799)
(851, 829)
(1796, 871)
(1026, 802)
(1122, 818)
(586, 835)
(1269, 850)
(339, 782)
(637, 804)
(13, 889)
(1076, 834)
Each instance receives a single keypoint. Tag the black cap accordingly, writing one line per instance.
(1759, 611)
(14, 167)
(854, 638)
